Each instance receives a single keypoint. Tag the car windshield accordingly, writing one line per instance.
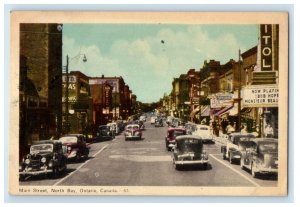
(178, 133)
(243, 145)
(268, 147)
(68, 140)
(41, 147)
(132, 128)
(189, 145)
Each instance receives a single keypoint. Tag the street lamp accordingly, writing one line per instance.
(67, 86)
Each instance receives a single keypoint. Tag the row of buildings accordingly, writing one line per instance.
(243, 93)
(53, 100)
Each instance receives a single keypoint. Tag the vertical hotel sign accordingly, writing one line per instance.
(266, 47)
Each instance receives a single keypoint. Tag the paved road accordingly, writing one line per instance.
(148, 163)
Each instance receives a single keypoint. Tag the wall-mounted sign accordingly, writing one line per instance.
(72, 78)
(221, 100)
(260, 96)
(266, 47)
(112, 82)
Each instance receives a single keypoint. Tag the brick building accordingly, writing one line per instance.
(40, 82)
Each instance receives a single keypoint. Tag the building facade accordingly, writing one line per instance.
(40, 82)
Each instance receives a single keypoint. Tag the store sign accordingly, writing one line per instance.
(112, 82)
(72, 78)
(266, 47)
(260, 96)
(221, 100)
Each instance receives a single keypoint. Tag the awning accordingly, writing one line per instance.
(224, 110)
(205, 110)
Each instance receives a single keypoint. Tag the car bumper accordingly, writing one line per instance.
(35, 172)
(190, 162)
(267, 170)
(132, 137)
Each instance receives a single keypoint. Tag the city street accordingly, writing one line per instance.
(146, 162)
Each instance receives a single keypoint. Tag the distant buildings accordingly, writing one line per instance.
(243, 93)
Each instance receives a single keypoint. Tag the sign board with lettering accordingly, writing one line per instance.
(266, 47)
(221, 100)
(260, 96)
(112, 82)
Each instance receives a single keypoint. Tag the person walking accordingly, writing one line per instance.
(269, 132)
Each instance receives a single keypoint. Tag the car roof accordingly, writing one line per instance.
(72, 135)
(132, 125)
(258, 140)
(176, 129)
(181, 137)
(47, 142)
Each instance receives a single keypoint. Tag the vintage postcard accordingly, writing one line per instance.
(148, 103)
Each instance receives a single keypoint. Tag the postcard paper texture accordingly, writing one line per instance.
(148, 103)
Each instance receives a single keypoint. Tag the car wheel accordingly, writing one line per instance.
(242, 164)
(21, 177)
(224, 156)
(230, 158)
(54, 172)
(205, 166)
(77, 158)
(253, 173)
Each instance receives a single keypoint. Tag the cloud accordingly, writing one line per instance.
(148, 65)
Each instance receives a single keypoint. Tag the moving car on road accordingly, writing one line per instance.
(159, 122)
(77, 148)
(45, 157)
(233, 148)
(188, 151)
(204, 132)
(133, 131)
(172, 133)
(261, 157)
(153, 119)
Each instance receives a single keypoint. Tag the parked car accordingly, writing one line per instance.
(188, 151)
(204, 132)
(114, 127)
(232, 150)
(159, 123)
(133, 131)
(77, 148)
(104, 133)
(45, 157)
(169, 120)
(153, 119)
(172, 133)
(261, 157)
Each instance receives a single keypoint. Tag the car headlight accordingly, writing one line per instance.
(50, 164)
(27, 161)
(69, 148)
(43, 160)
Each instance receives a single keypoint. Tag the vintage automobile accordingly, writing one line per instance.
(204, 132)
(233, 149)
(104, 133)
(142, 118)
(114, 127)
(140, 123)
(133, 131)
(190, 127)
(188, 151)
(77, 148)
(153, 119)
(159, 123)
(46, 157)
(261, 157)
(172, 133)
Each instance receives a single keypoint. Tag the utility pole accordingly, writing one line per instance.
(239, 94)
(67, 94)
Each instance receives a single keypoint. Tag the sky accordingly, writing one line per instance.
(150, 56)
